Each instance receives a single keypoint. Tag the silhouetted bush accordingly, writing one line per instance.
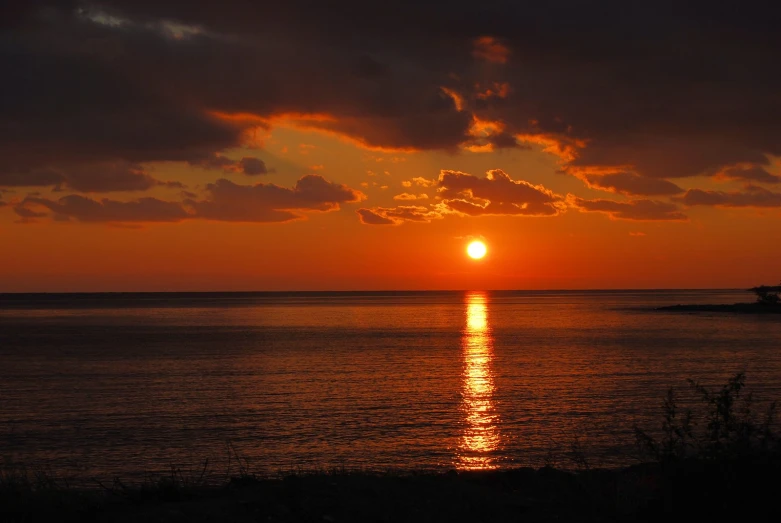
(725, 427)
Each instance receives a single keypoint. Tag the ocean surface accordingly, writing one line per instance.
(104, 385)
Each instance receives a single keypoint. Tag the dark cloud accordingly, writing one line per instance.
(86, 209)
(248, 165)
(27, 214)
(658, 90)
(253, 166)
(372, 217)
(30, 178)
(226, 201)
(497, 193)
(109, 177)
(271, 203)
(644, 210)
(89, 178)
(397, 215)
(630, 183)
(751, 173)
(368, 67)
(753, 196)
(212, 161)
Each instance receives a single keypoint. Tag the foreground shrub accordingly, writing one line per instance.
(725, 426)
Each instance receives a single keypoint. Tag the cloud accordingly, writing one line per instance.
(751, 173)
(88, 177)
(409, 196)
(253, 166)
(397, 215)
(71, 105)
(30, 178)
(85, 209)
(226, 201)
(420, 181)
(644, 210)
(271, 203)
(496, 194)
(110, 177)
(753, 196)
(140, 81)
(248, 165)
(489, 49)
(372, 217)
(629, 183)
(468, 195)
(26, 213)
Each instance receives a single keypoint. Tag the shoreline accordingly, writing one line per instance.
(646, 492)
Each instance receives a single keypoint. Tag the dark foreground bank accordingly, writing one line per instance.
(652, 492)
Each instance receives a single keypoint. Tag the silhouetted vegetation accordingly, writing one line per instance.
(726, 426)
(768, 295)
(716, 457)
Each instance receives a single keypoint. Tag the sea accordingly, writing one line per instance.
(133, 385)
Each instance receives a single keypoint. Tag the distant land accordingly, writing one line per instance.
(767, 302)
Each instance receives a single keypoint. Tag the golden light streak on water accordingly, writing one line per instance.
(481, 435)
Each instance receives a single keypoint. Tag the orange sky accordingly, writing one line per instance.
(169, 146)
(713, 247)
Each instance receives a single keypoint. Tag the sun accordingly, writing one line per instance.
(476, 249)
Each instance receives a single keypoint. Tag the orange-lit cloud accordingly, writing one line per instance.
(498, 90)
(496, 194)
(467, 195)
(490, 49)
(487, 135)
(565, 148)
(458, 100)
(410, 196)
(420, 181)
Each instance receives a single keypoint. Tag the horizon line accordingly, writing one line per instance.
(384, 291)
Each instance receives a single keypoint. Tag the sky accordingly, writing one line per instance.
(175, 145)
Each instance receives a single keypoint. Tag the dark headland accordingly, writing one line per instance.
(767, 302)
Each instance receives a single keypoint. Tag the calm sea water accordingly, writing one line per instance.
(128, 384)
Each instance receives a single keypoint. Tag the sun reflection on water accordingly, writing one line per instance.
(481, 436)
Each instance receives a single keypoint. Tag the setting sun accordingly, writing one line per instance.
(476, 250)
